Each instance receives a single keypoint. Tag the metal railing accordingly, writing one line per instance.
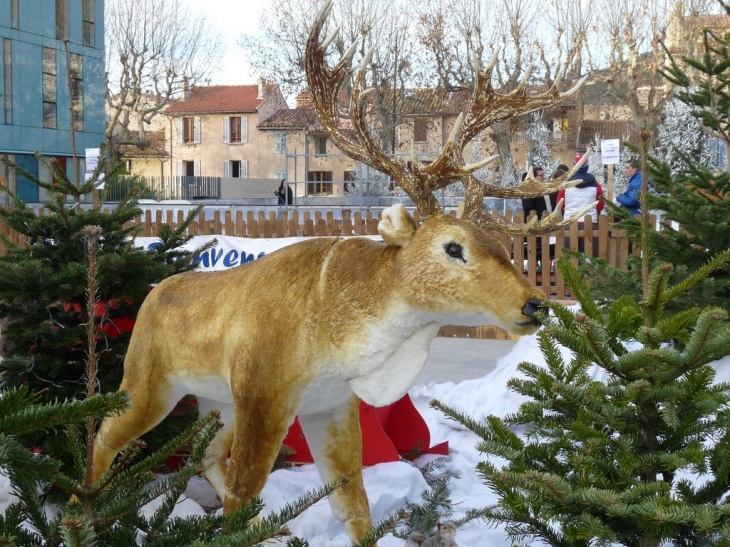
(164, 188)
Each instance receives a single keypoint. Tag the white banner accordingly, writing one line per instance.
(230, 251)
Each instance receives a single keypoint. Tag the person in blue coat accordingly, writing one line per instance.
(630, 198)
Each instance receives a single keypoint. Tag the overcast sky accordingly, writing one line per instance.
(230, 19)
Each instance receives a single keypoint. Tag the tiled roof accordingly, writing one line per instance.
(431, 101)
(294, 118)
(156, 146)
(716, 22)
(220, 99)
(588, 130)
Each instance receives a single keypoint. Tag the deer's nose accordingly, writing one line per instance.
(532, 307)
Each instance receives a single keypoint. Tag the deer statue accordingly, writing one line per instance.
(314, 328)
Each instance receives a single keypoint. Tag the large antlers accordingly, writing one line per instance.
(420, 182)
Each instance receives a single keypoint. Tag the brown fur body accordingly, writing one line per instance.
(309, 330)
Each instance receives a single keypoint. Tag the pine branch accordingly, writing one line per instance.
(56, 414)
(77, 532)
(274, 525)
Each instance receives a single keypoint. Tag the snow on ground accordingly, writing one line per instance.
(389, 484)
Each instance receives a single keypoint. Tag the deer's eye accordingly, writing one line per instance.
(454, 250)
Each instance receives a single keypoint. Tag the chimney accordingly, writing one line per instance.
(186, 89)
(304, 100)
(262, 88)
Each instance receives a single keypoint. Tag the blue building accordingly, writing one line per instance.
(42, 93)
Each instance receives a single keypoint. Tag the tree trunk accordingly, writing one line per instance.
(503, 138)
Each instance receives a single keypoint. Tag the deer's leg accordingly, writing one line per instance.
(216, 457)
(262, 420)
(335, 441)
(150, 403)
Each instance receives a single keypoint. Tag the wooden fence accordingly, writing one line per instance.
(537, 254)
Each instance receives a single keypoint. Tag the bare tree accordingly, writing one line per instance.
(277, 51)
(453, 31)
(573, 25)
(154, 49)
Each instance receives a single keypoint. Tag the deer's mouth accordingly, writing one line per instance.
(534, 322)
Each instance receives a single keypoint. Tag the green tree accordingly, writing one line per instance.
(43, 283)
(609, 462)
(694, 199)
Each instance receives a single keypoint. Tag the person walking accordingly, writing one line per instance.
(284, 198)
(284, 193)
(630, 199)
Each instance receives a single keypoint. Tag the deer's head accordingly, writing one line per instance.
(458, 257)
(453, 268)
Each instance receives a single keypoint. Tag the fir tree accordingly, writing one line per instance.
(368, 182)
(607, 462)
(694, 199)
(436, 502)
(43, 283)
(681, 136)
(540, 154)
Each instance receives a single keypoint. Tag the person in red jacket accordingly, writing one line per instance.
(583, 194)
(578, 198)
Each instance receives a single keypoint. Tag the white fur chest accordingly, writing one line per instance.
(388, 370)
(380, 365)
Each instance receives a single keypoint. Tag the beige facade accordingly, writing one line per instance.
(293, 154)
(213, 132)
(295, 147)
(244, 132)
(210, 149)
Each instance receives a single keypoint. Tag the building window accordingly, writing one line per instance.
(319, 183)
(188, 168)
(349, 178)
(62, 20)
(8, 80)
(719, 146)
(76, 63)
(281, 143)
(88, 16)
(278, 175)
(237, 169)
(235, 129)
(420, 129)
(320, 144)
(50, 82)
(7, 179)
(188, 130)
(14, 15)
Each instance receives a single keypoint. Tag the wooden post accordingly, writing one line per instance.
(610, 182)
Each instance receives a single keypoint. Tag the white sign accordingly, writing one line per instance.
(610, 152)
(92, 158)
(230, 251)
(87, 178)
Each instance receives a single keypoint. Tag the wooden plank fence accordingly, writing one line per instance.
(536, 253)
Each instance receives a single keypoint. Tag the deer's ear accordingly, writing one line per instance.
(397, 226)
